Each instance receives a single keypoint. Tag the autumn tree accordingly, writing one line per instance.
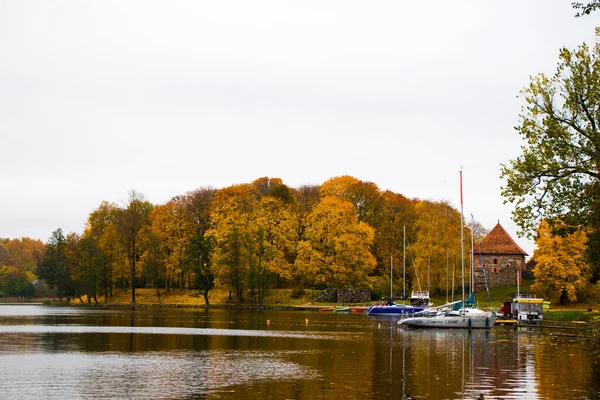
(19, 259)
(130, 221)
(273, 230)
(437, 239)
(24, 253)
(172, 226)
(253, 233)
(153, 259)
(230, 228)
(198, 257)
(557, 176)
(561, 269)
(397, 229)
(336, 247)
(101, 226)
(86, 260)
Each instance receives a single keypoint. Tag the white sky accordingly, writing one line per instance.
(100, 97)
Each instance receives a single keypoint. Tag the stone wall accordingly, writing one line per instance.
(328, 296)
(500, 269)
(354, 296)
(332, 295)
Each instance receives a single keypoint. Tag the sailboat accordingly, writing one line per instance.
(418, 302)
(466, 315)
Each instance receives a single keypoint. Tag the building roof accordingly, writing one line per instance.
(498, 241)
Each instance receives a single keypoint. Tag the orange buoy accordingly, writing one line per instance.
(268, 322)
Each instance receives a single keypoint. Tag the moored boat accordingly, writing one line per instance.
(418, 302)
(464, 318)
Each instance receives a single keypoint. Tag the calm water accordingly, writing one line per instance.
(80, 353)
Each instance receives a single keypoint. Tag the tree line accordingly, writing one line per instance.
(250, 237)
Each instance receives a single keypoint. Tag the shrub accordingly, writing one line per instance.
(297, 292)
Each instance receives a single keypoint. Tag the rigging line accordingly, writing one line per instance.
(484, 276)
(414, 268)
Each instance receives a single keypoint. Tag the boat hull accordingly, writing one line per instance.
(394, 310)
(451, 322)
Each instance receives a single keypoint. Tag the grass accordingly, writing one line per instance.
(287, 297)
(571, 315)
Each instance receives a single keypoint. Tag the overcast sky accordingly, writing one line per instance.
(100, 97)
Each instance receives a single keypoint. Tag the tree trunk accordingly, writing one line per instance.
(132, 272)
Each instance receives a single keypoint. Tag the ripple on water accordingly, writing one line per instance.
(155, 375)
(80, 329)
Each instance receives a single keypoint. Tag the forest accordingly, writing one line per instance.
(249, 238)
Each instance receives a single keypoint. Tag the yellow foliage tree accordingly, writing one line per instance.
(336, 249)
(101, 227)
(437, 239)
(560, 268)
(230, 227)
(172, 226)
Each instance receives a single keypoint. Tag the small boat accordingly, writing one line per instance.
(525, 308)
(357, 310)
(342, 309)
(418, 302)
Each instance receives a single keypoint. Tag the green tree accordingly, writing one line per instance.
(557, 176)
(15, 282)
(55, 266)
(585, 8)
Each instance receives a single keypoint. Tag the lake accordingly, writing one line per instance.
(151, 353)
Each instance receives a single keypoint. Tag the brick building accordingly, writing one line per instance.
(501, 258)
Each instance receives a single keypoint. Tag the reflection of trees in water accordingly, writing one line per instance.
(593, 343)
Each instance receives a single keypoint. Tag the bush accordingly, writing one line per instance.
(297, 292)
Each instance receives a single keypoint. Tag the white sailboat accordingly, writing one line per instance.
(465, 316)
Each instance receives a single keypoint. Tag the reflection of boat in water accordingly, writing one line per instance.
(418, 302)
(464, 315)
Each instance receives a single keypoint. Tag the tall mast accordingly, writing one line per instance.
(462, 242)
(404, 262)
(391, 275)
(472, 255)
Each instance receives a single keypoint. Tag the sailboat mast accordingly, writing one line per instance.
(462, 242)
(391, 275)
(472, 255)
(404, 262)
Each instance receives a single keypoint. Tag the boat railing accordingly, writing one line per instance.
(525, 296)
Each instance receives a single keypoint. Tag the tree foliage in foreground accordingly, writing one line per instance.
(557, 176)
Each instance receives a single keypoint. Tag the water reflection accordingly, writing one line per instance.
(58, 353)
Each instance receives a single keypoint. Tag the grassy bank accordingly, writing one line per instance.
(287, 298)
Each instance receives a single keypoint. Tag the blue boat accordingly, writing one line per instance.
(418, 302)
